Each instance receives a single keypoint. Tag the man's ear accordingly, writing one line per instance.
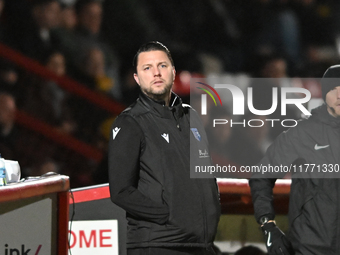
(135, 76)
(174, 73)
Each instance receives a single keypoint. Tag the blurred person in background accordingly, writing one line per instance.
(37, 38)
(52, 94)
(272, 73)
(55, 97)
(88, 37)
(314, 193)
(279, 31)
(65, 36)
(9, 77)
(46, 100)
(8, 131)
(93, 73)
(68, 19)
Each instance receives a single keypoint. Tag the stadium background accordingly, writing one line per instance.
(66, 71)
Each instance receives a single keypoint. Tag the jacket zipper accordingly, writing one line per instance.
(177, 122)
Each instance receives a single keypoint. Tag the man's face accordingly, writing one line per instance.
(91, 17)
(47, 15)
(155, 74)
(333, 102)
(8, 108)
(56, 63)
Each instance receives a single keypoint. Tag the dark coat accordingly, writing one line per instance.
(151, 151)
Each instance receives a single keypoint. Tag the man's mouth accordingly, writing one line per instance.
(158, 82)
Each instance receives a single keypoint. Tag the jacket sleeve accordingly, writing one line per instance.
(281, 154)
(125, 148)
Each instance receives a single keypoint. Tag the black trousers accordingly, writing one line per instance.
(170, 251)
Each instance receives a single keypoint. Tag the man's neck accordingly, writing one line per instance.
(163, 99)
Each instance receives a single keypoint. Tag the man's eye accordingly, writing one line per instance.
(146, 68)
(163, 65)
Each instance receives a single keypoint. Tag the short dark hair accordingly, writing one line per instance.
(152, 46)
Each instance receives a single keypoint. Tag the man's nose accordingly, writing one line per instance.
(157, 72)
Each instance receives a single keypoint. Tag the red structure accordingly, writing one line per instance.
(35, 214)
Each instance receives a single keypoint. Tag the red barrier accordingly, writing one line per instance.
(66, 83)
(234, 193)
(241, 187)
(53, 134)
(22, 203)
(236, 197)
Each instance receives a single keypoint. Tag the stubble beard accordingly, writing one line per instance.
(158, 95)
(333, 112)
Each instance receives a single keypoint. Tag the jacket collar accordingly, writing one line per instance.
(159, 107)
(323, 115)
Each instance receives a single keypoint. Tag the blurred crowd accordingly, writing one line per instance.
(66, 39)
(93, 43)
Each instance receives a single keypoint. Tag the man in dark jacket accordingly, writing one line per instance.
(312, 150)
(153, 144)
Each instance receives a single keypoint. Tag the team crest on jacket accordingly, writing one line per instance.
(196, 133)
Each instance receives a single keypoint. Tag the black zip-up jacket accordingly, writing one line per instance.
(314, 204)
(149, 175)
